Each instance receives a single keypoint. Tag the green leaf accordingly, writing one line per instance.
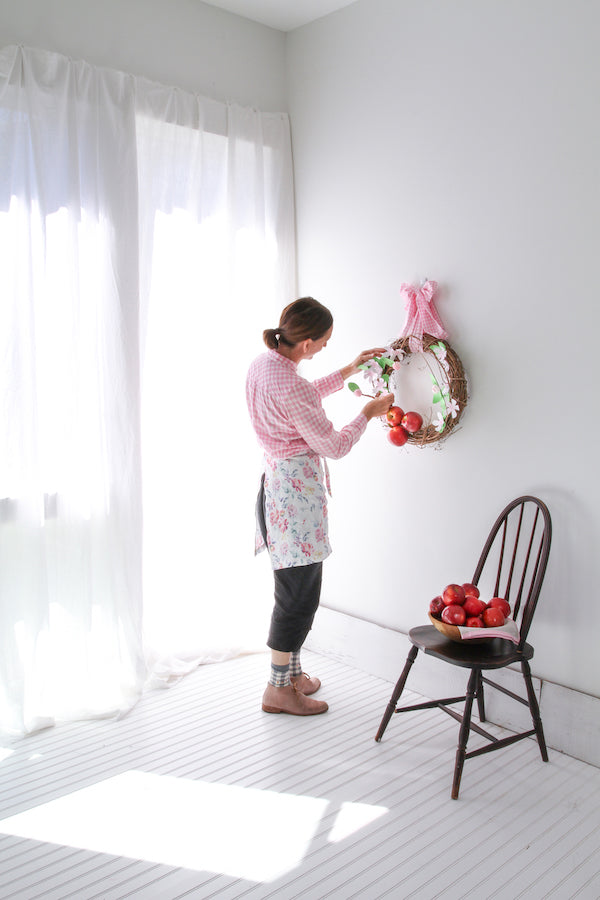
(388, 362)
(353, 386)
(437, 398)
(385, 379)
(362, 366)
(379, 359)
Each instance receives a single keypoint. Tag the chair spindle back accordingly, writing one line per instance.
(514, 558)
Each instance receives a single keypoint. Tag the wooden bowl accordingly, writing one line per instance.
(452, 632)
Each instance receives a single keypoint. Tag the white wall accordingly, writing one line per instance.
(460, 141)
(175, 42)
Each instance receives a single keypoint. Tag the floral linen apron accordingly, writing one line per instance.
(295, 512)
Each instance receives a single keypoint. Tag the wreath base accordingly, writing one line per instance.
(457, 383)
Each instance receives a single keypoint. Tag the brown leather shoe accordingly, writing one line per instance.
(305, 684)
(289, 700)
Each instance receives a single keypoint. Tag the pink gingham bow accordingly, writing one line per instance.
(421, 315)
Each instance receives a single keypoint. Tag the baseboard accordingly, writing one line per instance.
(571, 719)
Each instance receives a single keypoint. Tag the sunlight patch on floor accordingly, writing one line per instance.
(241, 832)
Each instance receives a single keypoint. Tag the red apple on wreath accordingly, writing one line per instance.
(394, 415)
(412, 421)
(398, 436)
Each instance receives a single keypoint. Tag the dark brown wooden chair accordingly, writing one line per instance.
(512, 565)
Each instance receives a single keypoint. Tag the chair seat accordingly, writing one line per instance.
(494, 654)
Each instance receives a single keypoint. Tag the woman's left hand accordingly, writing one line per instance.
(360, 360)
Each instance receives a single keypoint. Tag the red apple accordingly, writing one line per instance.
(474, 622)
(453, 594)
(412, 421)
(394, 415)
(493, 617)
(398, 436)
(473, 606)
(436, 606)
(453, 615)
(501, 604)
(471, 590)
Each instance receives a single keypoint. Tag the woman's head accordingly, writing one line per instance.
(303, 320)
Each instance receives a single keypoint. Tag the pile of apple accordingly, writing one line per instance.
(460, 604)
(402, 425)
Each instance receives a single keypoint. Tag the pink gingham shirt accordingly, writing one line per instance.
(287, 413)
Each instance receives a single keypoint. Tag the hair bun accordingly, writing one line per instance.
(271, 337)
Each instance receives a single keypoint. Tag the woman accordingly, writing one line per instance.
(291, 426)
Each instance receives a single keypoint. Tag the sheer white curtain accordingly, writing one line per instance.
(217, 263)
(146, 238)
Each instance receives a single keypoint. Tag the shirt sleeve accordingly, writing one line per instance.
(303, 406)
(329, 384)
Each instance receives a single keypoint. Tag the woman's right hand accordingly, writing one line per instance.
(379, 406)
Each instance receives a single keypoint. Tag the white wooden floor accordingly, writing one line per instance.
(198, 794)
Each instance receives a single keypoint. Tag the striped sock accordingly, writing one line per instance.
(280, 675)
(295, 664)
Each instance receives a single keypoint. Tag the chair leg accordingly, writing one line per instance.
(535, 710)
(391, 707)
(465, 728)
(480, 698)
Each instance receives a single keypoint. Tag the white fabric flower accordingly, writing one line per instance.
(453, 408)
(393, 353)
(438, 422)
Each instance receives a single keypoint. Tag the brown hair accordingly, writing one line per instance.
(303, 319)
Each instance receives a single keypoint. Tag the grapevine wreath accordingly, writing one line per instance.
(424, 334)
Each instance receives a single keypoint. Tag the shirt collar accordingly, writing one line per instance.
(274, 354)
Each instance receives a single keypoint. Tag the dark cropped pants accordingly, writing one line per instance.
(297, 594)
